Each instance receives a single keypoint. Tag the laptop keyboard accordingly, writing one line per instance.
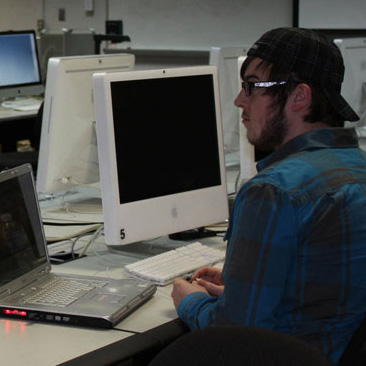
(62, 291)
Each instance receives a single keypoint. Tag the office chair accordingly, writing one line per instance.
(355, 352)
(12, 159)
(238, 345)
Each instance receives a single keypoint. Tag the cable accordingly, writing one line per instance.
(237, 182)
(71, 223)
(63, 257)
(80, 184)
(93, 238)
(58, 260)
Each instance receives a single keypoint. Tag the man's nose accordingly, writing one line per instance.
(241, 99)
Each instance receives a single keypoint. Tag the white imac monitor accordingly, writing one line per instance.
(68, 155)
(226, 61)
(161, 152)
(20, 73)
(354, 85)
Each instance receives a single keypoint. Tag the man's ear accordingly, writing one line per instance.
(300, 97)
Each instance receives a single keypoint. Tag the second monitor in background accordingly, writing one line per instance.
(161, 152)
(226, 61)
(248, 154)
(68, 154)
(20, 74)
(354, 86)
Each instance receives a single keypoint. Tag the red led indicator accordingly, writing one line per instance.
(14, 312)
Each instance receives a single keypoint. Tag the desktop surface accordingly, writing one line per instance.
(7, 114)
(47, 344)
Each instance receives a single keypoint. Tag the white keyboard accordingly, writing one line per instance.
(23, 104)
(181, 262)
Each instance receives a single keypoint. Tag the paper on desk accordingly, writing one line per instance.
(58, 233)
(62, 215)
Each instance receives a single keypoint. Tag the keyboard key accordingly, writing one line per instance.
(62, 291)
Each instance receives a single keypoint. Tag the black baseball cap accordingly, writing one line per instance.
(310, 54)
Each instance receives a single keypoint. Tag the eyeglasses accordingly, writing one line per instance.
(248, 86)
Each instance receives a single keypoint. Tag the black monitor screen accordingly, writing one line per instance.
(165, 135)
(21, 241)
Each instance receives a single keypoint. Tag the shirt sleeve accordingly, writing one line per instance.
(261, 245)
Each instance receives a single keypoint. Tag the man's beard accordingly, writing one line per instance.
(273, 133)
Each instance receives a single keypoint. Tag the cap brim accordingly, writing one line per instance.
(341, 106)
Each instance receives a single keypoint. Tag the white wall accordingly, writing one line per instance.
(198, 24)
(20, 14)
(166, 24)
(76, 17)
(332, 14)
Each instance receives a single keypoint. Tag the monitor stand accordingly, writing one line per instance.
(148, 248)
(144, 249)
(82, 200)
(91, 205)
(194, 234)
(138, 250)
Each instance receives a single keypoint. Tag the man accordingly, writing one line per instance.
(296, 253)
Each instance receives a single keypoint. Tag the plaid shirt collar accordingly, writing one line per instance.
(324, 138)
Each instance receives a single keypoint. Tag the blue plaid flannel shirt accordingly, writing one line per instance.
(296, 256)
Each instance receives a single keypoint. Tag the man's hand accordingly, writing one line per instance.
(182, 288)
(207, 280)
(211, 279)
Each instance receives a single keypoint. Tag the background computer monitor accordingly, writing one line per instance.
(147, 59)
(68, 154)
(161, 152)
(226, 61)
(248, 155)
(66, 43)
(19, 65)
(354, 85)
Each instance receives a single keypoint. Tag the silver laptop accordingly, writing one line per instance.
(28, 288)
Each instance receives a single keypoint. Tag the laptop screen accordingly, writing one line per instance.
(21, 240)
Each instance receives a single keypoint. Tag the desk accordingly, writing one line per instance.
(15, 126)
(42, 344)
(11, 114)
(38, 344)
